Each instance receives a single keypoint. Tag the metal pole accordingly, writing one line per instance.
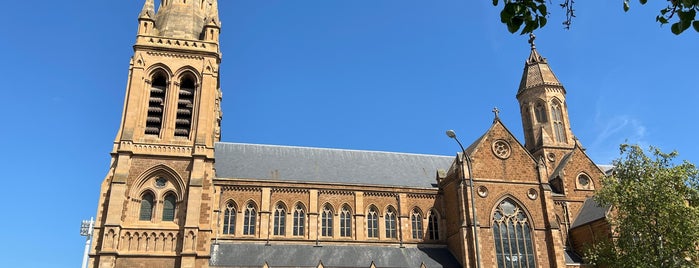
(474, 218)
(88, 233)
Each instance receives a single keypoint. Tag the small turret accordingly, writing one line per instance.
(146, 20)
(212, 28)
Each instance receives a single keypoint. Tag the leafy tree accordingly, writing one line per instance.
(529, 15)
(655, 212)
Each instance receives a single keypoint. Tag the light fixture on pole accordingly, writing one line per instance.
(474, 219)
(86, 229)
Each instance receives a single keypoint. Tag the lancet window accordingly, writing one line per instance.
(327, 221)
(185, 106)
(433, 226)
(156, 104)
(372, 223)
(280, 219)
(390, 219)
(169, 205)
(416, 222)
(229, 219)
(146, 212)
(345, 222)
(250, 219)
(558, 127)
(299, 220)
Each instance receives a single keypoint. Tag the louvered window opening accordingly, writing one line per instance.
(372, 223)
(229, 219)
(327, 221)
(416, 222)
(390, 224)
(156, 104)
(185, 105)
(345, 223)
(146, 212)
(280, 220)
(433, 227)
(512, 233)
(299, 221)
(169, 205)
(558, 122)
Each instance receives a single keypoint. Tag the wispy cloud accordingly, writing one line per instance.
(614, 129)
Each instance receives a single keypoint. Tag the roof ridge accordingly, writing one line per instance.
(334, 149)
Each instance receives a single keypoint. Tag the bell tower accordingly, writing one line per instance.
(156, 199)
(542, 100)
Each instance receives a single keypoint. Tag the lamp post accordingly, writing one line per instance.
(86, 229)
(452, 135)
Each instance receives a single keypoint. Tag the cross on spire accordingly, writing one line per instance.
(532, 37)
(496, 111)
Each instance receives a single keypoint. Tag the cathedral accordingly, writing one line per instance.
(176, 196)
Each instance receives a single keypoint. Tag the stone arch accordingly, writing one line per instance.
(161, 170)
(517, 202)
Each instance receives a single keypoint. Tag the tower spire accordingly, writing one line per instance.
(542, 99)
(212, 17)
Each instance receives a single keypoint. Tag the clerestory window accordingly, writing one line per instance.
(280, 220)
(327, 221)
(299, 221)
(250, 220)
(390, 219)
(558, 127)
(416, 222)
(433, 226)
(372, 223)
(345, 222)
(229, 219)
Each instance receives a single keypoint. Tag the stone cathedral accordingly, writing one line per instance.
(176, 196)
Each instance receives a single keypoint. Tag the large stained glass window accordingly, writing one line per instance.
(512, 233)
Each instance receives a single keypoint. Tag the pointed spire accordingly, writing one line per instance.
(148, 11)
(212, 17)
(536, 70)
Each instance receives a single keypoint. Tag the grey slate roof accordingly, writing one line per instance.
(304, 164)
(572, 258)
(591, 211)
(228, 254)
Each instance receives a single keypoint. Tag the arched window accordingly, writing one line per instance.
(345, 222)
(540, 113)
(372, 226)
(416, 222)
(327, 221)
(169, 204)
(526, 115)
(156, 103)
(185, 106)
(390, 219)
(280, 219)
(299, 220)
(558, 122)
(433, 226)
(512, 233)
(250, 220)
(229, 219)
(146, 213)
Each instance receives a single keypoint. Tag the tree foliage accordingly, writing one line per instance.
(655, 212)
(529, 15)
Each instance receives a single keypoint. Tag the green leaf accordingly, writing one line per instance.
(543, 20)
(643, 2)
(542, 9)
(495, 2)
(661, 19)
(626, 6)
(695, 24)
(676, 28)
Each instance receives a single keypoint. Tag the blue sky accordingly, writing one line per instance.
(383, 75)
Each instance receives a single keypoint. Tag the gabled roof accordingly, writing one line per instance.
(591, 211)
(227, 254)
(304, 164)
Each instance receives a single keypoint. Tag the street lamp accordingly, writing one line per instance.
(86, 229)
(452, 135)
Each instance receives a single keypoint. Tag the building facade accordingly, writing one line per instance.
(176, 196)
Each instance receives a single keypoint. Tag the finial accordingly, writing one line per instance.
(496, 111)
(532, 37)
(148, 10)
